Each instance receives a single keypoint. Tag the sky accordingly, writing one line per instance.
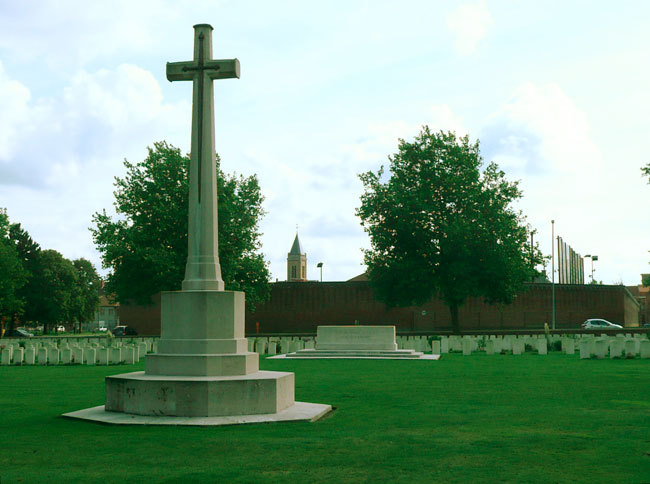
(557, 92)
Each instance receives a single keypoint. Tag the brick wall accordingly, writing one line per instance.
(299, 307)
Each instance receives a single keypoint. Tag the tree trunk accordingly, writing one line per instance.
(455, 326)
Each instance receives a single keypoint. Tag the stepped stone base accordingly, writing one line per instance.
(298, 412)
(263, 392)
(361, 354)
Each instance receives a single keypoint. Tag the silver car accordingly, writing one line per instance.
(600, 324)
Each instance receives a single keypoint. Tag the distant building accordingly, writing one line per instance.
(106, 316)
(642, 294)
(296, 263)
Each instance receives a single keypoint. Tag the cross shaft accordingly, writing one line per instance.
(203, 271)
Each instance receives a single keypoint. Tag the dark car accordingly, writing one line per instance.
(124, 331)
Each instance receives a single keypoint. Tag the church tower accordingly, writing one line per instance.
(296, 263)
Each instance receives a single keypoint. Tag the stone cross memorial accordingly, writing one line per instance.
(202, 372)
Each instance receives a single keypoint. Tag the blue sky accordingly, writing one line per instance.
(557, 92)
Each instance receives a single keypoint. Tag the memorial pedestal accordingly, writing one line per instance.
(202, 370)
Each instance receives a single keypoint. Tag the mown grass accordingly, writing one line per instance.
(462, 419)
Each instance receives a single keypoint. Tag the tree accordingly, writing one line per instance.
(85, 297)
(55, 283)
(441, 226)
(12, 275)
(146, 247)
(29, 254)
(646, 171)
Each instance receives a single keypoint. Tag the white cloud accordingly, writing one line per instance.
(97, 120)
(540, 130)
(470, 24)
(14, 99)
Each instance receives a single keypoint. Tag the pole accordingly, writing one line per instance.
(553, 268)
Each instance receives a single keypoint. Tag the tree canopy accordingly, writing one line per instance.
(145, 246)
(12, 274)
(42, 285)
(442, 224)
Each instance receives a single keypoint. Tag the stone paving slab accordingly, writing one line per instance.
(352, 357)
(299, 412)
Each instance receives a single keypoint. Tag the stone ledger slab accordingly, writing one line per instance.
(356, 338)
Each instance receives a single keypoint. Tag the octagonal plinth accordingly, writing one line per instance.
(263, 392)
(202, 365)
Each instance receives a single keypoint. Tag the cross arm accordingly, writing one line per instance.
(215, 69)
(181, 71)
(222, 69)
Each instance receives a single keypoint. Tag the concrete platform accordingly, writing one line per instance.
(298, 412)
(357, 355)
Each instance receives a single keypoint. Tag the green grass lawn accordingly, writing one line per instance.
(461, 419)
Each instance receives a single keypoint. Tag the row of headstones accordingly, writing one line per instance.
(589, 345)
(48, 352)
(278, 345)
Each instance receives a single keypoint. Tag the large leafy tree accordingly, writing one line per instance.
(85, 297)
(56, 285)
(146, 245)
(12, 274)
(29, 254)
(442, 224)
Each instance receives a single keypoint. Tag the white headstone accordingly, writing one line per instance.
(6, 356)
(585, 348)
(435, 347)
(489, 347)
(569, 346)
(90, 355)
(542, 347)
(66, 356)
(600, 348)
(272, 348)
(102, 356)
(30, 355)
(644, 348)
(128, 355)
(517, 346)
(115, 355)
(467, 346)
(78, 355)
(630, 348)
(444, 345)
(42, 356)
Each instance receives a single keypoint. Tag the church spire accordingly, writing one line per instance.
(296, 262)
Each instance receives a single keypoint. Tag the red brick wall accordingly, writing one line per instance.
(299, 307)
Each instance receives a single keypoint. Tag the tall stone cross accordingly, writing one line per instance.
(203, 271)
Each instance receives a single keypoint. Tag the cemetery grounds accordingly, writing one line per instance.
(479, 418)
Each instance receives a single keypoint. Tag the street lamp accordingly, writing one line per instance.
(553, 269)
(320, 266)
(593, 258)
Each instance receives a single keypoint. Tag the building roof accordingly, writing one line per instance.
(295, 248)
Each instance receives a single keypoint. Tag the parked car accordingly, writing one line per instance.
(60, 328)
(600, 324)
(18, 333)
(124, 331)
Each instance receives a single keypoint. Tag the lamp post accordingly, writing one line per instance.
(320, 266)
(593, 258)
(553, 268)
